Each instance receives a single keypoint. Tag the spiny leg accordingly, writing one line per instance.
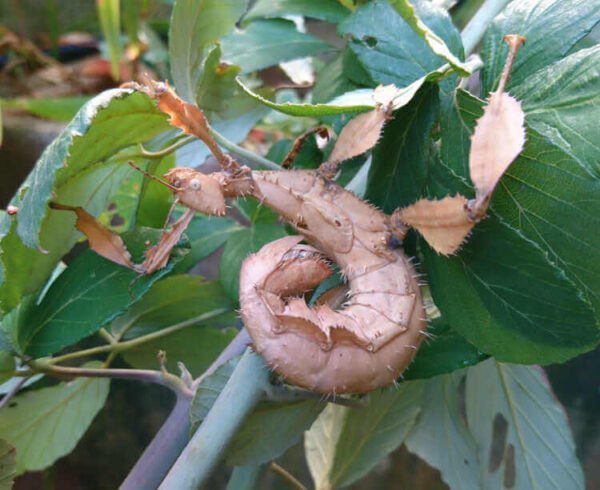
(300, 140)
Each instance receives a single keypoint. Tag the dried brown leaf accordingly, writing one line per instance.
(103, 241)
(158, 255)
(444, 224)
(359, 135)
(498, 138)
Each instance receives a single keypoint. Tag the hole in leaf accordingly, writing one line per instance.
(510, 470)
(117, 220)
(370, 41)
(499, 433)
(111, 207)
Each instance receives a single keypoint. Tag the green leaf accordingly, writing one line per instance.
(551, 27)
(217, 85)
(398, 171)
(332, 81)
(87, 295)
(445, 353)
(194, 27)
(522, 433)
(195, 347)
(435, 43)
(355, 101)
(110, 21)
(503, 294)
(545, 194)
(270, 429)
(74, 168)
(328, 10)
(174, 300)
(562, 102)
(240, 244)
(153, 199)
(254, 211)
(63, 109)
(8, 463)
(208, 391)
(265, 43)
(344, 444)
(46, 424)
(206, 234)
(390, 51)
(441, 436)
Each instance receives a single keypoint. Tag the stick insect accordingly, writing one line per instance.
(365, 336)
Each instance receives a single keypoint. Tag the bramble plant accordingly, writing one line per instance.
(522, 290)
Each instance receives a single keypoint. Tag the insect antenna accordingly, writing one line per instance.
(153, 177)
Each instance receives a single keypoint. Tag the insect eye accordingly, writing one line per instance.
(195, 184)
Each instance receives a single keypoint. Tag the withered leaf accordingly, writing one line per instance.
(158, 255)
(498, 138)
(183, 115)
(359, 135)
(103, 241)
(444, 223)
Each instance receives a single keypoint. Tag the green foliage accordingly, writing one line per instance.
(7, 465)
(46, 424)
(524, 288)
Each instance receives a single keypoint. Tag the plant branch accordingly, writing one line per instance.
(235, 348)
(475, 29)
(105, 334)
(238, 398)
(129, 344)
(159, 377)
(248, 155)
(14, 390)
(286, 475)
(169, 441)
(161, 453)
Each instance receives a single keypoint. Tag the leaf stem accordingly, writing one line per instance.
(129, 344)
(286, 475)
(105, 334)
(475, 29)
(165, 151)
(248, 155)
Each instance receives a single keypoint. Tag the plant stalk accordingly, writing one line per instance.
(475, 29)
(161, 453)
(238, 150)
(240, 395)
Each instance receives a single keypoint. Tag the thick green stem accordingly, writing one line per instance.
(242, 392)
(475, 29)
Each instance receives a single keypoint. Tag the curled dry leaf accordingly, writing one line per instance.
(158, 255)
(498, 138)
(102, 241)
(444, 224)
(110, 245)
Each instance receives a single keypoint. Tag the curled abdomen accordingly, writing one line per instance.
(363, 345)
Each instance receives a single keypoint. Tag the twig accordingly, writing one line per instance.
(105, 334)
(475, 29)
(248, 155)
(15, 389)
(121, 346)
(158, 377)
(286, 475)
